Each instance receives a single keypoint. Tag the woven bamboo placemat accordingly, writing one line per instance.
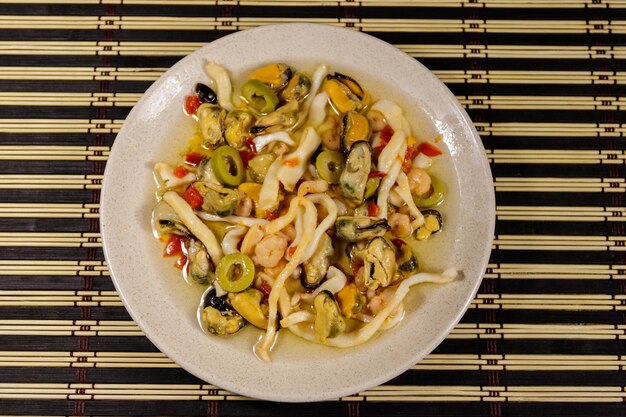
(544, 83)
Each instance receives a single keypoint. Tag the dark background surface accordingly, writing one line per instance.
(544, 84)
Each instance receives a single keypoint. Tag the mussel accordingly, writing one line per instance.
(165, 221)
(249, 304)
(345, 93)
(353, 180)
(199, 267)
(217, 199)
(406, 260)
(238, 124)
(380, 263)
(354, 128)
(211, 124)
(433, 222)
(328, 319)
(282, 118)
(350, 300)
(355, 228)
(217, 316)
(316, 267)
(276, 76)
(297, 89)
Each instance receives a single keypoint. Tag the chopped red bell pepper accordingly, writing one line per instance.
(372, 209)
(376, 174)
(265, 288)
(193, 197)
(271, 215)
(193, 158)
(251, 145)
(246, 156)
(398, 243)
(180, 171)
(191, 104)
(411, 153)
(429, 149)
(174, 245)
(385, 135)
(292, 250)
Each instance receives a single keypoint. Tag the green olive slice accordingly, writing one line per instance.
(330, 165)
(259, 96)
(227, 166)
(434, 197)
(235, 272)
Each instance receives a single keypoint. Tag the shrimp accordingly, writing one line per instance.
(400, 225)
(270, 250)
(380, 300)
(419, 181)
(244, 209)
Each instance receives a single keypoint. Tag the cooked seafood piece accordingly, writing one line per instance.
(282, 118)
(249, 304)
(380, 263)
(166, 221)
(297, 89)
(354, 128)
(217, 316)
(355, 228)
(345, 93)
(211, 124)
(353, 180)
(276, 76)
(315, 268)
(238, 124)
(328, 319)
(199, 266)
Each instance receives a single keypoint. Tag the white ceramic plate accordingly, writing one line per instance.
(164, 306)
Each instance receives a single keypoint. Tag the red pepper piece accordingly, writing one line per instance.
(193, 158)
(174, 245)
(251, 145)
(265, 288)
(429, 149)
(376, 174)
(191, 104)
(411, 153)
(180, 171)
(246, 156)
(372, 209)
(398, 243)
(193, 197)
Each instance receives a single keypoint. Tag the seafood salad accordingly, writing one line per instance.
(297, 203)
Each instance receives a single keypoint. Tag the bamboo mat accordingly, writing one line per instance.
(544, 82)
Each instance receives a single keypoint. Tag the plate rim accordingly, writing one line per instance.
(398, 368)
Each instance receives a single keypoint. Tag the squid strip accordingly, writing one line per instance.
(366, 332)
(263, 346)
(224, 87)
(195, 225)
